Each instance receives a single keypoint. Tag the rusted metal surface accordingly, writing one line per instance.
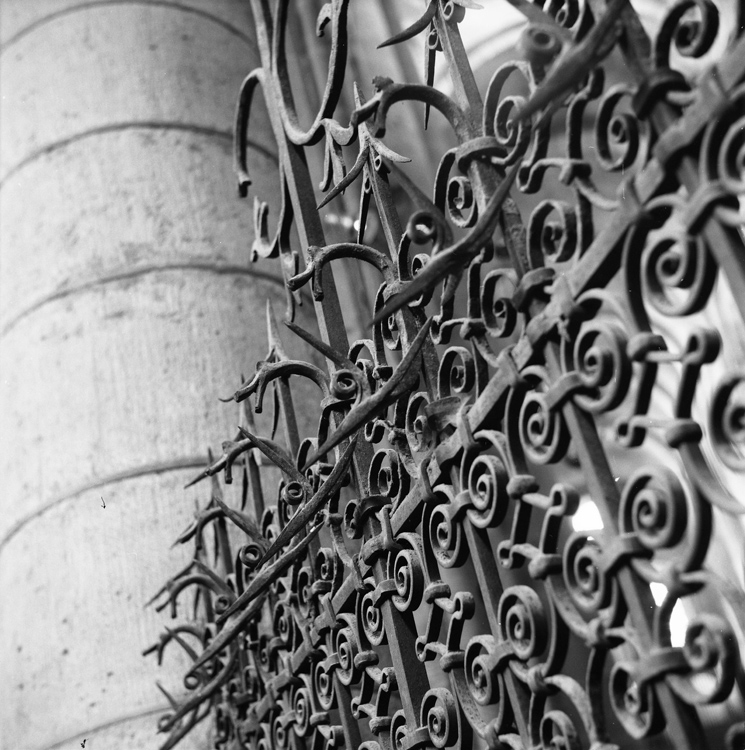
(419, 577)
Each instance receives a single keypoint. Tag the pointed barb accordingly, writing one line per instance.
(272, 333)
(212, 468)
(348, 179)
(203, 475)
(320, 346)
(220, 584)
(157, 596)
(456, 258)
(308, 511)
(416, 28)
(402, 379)
(243, 522)
(171, 700)
(263, 580)
(230, 631)
(155, 648)
(277, 458)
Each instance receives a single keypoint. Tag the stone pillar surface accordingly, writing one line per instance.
(127, 305)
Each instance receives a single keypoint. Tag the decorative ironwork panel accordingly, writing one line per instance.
(555, 332)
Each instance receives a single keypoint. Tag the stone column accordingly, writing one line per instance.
(127, 305)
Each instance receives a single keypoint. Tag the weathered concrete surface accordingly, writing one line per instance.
(127, 306)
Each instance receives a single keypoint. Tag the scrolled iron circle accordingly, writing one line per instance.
(408, 576)
(323, 685)
(497, 109)
(497, 309)
(600, 357)
(346, 648)
(523, 621)
(222, 602)
(543, 434)
(302, 589)
(372, 620)
(387, 476)
(617, 130)
(692, 37)
(583, 578)
(352, 528)
(344, 385)
(484, 683)
(703, 642)
(462, 208)
(294, 493)
(557, 239)
(653, 505)
(280, 736)
(426, 230)
(445, 537)
(418, 433)
(302, 707)
(677, 274)
(283, 622)
(325, 564)
(422, 227)
(440, 715)
(634, 706)
(389, 330)
(457, 373)
(263, 653)
(710, 647)
(487, 488)
(438, 725)
(250, 554)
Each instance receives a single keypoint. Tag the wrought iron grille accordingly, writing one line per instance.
(556, 330)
